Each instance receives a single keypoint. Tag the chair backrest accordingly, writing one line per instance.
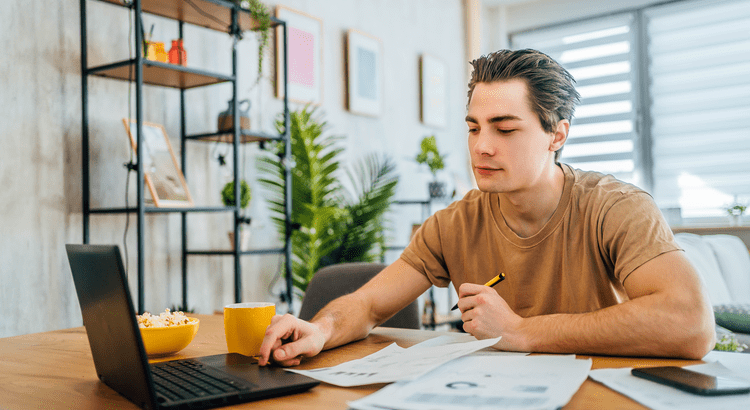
(337, 280)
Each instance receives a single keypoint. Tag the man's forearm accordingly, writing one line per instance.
(344, 320)
(646, 326)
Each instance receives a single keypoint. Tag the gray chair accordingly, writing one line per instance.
(337, 280)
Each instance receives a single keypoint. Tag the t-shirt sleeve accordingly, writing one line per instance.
(425, 253)
(634, 232)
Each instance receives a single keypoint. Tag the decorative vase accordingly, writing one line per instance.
(437, 189)
(244, 239)
(177, 54)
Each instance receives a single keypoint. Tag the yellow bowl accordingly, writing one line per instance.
(162, 341)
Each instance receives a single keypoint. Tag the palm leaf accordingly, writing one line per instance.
(374, 185)
(314, 189)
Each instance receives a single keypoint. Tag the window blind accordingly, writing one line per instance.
(699, 69)
(600, 54)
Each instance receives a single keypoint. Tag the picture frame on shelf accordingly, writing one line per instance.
(364, 69)
(433, 74)
(305, 53)
(161, 171)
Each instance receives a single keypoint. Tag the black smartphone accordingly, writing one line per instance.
(691, 381)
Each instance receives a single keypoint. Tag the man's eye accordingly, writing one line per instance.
(473, 129)
(504, 131)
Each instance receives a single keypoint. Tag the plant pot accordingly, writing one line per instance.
(735, 220)
(437, 189)
(244, 239)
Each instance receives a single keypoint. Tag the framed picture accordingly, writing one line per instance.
(305, 53)
(433, 75)
(162, 174)
(364, 67)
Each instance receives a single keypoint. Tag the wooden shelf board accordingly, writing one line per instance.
(163, 74)
(211, 14)
(228, 137)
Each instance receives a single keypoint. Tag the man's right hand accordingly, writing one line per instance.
(288, 339)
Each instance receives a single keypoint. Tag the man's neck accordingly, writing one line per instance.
(526, 212)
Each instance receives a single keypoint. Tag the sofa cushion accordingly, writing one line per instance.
(734, 263)
(733, 316)
(704, 261)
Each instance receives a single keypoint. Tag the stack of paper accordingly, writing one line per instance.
(486, 382)
(395, 363)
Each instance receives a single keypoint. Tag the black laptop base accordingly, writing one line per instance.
(273, 382)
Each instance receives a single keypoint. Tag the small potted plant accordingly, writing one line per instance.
(430, 155)
(735, 211)
(262, 16)
(227, 198)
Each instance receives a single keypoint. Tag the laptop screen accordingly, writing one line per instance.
(109, 318)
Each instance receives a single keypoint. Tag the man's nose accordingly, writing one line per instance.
(483, 144)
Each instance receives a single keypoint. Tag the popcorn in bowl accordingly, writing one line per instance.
(167, 333)
(165, 319)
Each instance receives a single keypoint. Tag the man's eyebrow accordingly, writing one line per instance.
(499, 118)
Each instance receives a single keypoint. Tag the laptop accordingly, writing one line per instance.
(120, 358)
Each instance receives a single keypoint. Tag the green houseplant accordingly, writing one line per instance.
(335, 223)
(227, 194)
(434, 160)
(735, 212)
(260, 13)
(728, 342)
(228, 199)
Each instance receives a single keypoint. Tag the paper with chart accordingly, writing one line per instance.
(659, 397)
(486, 382)
(394, 363)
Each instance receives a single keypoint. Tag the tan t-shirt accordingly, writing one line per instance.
(602, 230)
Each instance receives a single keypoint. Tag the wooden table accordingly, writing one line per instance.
(54, 370)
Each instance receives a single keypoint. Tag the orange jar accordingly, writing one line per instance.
(177, 53)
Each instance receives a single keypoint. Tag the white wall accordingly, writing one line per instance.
(40, 162)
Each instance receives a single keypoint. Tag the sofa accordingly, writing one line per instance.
(723, 262)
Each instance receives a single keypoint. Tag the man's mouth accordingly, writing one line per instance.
(485, 170)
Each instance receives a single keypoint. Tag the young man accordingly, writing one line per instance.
(591, 266)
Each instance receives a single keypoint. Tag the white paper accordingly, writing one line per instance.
(660, 397)
(736, 362)
(396, 363)
(463, 338)
(486, 382)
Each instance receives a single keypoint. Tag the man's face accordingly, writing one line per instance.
(508, 147)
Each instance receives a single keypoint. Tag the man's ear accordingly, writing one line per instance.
(560, 135)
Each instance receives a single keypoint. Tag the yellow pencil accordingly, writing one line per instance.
(492, 282)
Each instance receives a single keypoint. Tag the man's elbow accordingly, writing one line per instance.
(699, 346)
(700, 335)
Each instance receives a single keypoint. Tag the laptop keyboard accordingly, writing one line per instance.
(187, 379)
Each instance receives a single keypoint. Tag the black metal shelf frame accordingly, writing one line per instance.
(168, 75)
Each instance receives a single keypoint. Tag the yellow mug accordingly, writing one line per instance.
(245, 325)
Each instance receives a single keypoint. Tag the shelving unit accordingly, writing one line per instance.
(430, 318)
(426, 205)
(219, 15)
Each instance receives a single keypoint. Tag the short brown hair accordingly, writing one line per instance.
(552, 95)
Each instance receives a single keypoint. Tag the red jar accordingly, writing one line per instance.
(177, 53)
